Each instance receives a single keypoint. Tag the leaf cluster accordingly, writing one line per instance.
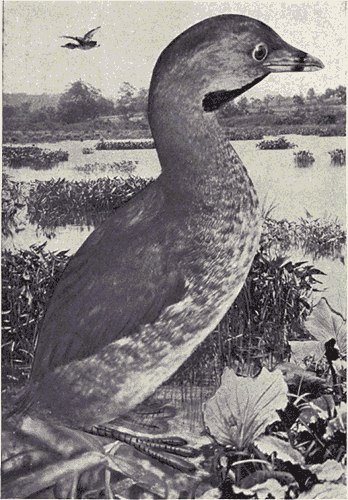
(338, 157)
(59, 202)
(32, 156)
(28, 280)
(280, 143)
(318, 237)
(303, 159)
(120, 145)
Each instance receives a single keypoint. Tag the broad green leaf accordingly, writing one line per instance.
(326, 491)
(213, 493)
(243, 407)
(324, 324)
(270, 487)
(328, 471)
(269, 444)
(306, 349)
(339, 423)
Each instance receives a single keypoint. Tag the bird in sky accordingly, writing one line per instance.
(84, 43)
(150, 284)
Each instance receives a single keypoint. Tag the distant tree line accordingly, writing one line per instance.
(270, 103)
(323, 109)
(82, 102)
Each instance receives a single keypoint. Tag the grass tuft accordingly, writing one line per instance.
(338, 157)
(303, 159)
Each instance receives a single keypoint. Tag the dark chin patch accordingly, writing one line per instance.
(214, 100)
(300, 63)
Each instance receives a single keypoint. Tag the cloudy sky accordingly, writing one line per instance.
(133, 34)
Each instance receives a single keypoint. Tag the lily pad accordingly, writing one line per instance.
(243, 407)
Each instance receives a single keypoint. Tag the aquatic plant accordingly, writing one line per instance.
(28, 279)
(280, 143)
(32, 156)
(59, 202)
(13, 204)
(87, 151)
(338, 157)
(303, 159)
(121, 166)
(245, 134)
(319, 237)
(107, 145)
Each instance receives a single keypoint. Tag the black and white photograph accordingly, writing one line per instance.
(174, 278)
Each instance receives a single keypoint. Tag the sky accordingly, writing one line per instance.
(134, 33)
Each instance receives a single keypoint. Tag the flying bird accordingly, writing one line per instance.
(149, 285)
(84, 43)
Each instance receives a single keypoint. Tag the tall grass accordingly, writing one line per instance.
(13, 201)
(28, 280)
(316, 237)
(269, 311)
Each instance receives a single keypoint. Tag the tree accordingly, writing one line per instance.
(127, 102)
(267, 100)
(8, 111)
(298, 100)
(243, 106)
(278, 100)
(142, 100)
(311, 94)
(81, 102)
(341, 94)
(329, 93)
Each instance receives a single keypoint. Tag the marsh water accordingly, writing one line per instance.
(319, 190)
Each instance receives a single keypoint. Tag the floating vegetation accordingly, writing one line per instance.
(32, 156)
(338, 157)
(106, 145)
(87, 151)
(59, 202)
(280, 143)
(245, 135)
(304, 159)
(338, 130)
(122, 166)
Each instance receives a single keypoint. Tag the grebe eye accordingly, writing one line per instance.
(260, 52)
